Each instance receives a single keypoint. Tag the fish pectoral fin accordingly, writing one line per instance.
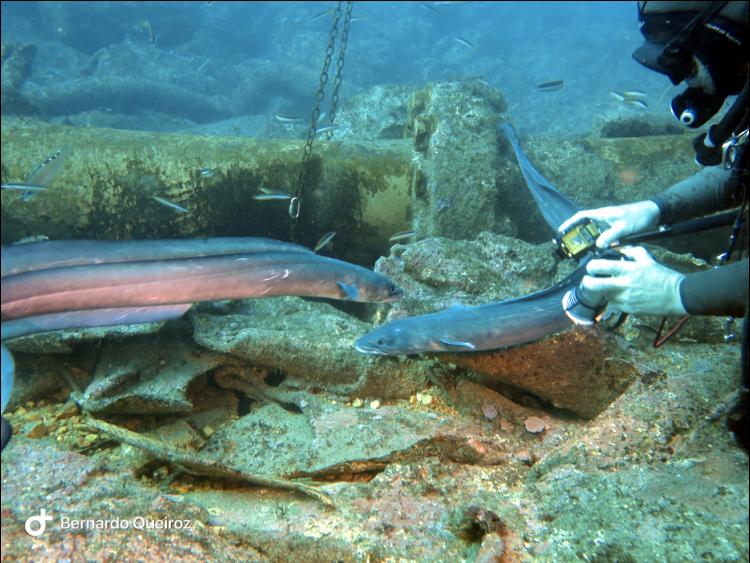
(460, 344)
(350, 290)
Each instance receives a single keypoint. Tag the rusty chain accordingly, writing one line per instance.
(295, 202)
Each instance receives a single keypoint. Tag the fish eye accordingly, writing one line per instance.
(380, 341)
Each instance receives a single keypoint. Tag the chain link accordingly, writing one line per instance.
(295, 203)
(339, 68)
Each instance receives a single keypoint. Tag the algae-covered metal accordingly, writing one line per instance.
(108, 185)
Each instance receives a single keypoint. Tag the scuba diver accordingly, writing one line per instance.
(705, 45)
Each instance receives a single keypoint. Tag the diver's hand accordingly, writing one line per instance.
(623, 220)
(641, 285)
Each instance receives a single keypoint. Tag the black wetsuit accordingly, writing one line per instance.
(719, 291)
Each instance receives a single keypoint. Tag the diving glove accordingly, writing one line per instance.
(623, 220)
(640, 285)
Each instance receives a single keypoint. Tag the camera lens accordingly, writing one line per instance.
(687, 117)
(694, 107)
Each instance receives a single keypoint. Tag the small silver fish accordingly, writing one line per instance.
(47, 170)
(286, 118)
(328, 12)
(326, 128)
(401, 235)
(324, 240)
(617, 95)
(464, 42)
(640, 104)
(272, 196)
(203, 64)
(207, 172)
(32, 238)
(170, 204)
(24, 186)
(41, 176)
(550, 86)
(634, 94)
(146, 27)
(429, 7)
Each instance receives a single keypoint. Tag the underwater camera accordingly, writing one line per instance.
(578, 239)
(581, 308)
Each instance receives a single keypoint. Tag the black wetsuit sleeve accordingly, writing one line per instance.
(719, 291)
(710, 190)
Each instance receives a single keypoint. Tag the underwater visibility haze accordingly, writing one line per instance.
(278, 284)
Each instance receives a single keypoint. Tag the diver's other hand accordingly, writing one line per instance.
(623, 220)
(641, 286)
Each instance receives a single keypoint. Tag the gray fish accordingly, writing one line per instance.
(401, 235)
(494, 325)
(640, 104)
(180, 281)
(23, 186)
(47, 170)
(203, 64)
(324, 240)
(464, 42)
(287, 118)
(468, 329)
(33, 257)
(170, 204)
(554, 206)
(32, 238)
(104, 294)
(146, 27)
(272, 196)
(550, 86)
(429, 7)
(631, 97)
(328, 12)
(326, 128)
(42, 175)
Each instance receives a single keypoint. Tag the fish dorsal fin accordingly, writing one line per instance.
(460, 344)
